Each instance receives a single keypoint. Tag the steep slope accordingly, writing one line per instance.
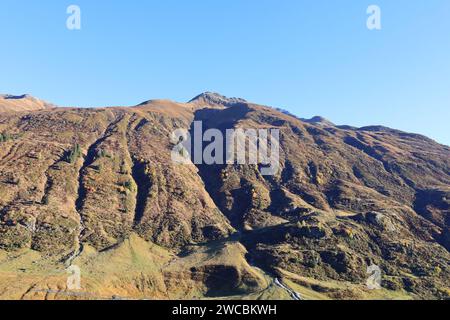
(91, 187)
(344, 199)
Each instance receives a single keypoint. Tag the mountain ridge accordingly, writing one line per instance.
(205, 99)
(96, 188)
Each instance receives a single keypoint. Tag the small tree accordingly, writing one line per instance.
(103, 154)
(5, 137)
(74, 154)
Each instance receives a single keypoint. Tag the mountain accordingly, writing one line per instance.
(211, 99)
(96, 189)
(319, 120)
(11, 103)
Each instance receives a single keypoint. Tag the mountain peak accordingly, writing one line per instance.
(319, 120)
(216, 99)
(24, 102)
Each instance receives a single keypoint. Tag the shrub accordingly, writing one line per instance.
(129, 185)
(5, 137)
(74, 154)
(103, 154)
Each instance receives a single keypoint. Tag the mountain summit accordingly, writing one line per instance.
(216, 99)
(12, 103)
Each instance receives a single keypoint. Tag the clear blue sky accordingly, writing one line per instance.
(309, 57)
